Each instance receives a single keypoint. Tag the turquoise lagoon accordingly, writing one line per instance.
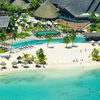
(51, 85)
(32, 41)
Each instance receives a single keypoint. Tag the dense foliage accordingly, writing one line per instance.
(34, 4)
(41, 57)
(95, 22)
(95, 54)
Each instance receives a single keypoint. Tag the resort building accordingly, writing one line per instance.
(92, 36)
(4, 21)
(76, 10)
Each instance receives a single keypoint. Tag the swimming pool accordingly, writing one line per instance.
(29, 42)
(50, 85)
(46, 32)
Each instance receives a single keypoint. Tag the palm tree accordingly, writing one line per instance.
(3, 35)
(14, 32)
(66, 40)
(49, 38)
(32, 58)
(34, 4)
(92, 17)
(26, 56)
(41, 57)
(72, 37)
(13, 38)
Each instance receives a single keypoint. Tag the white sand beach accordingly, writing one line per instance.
(59, 57)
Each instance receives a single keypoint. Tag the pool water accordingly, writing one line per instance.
(50, 85)
(46, 32)
(29, 42)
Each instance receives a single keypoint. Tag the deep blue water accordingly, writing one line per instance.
(50, 85)
(29, 42)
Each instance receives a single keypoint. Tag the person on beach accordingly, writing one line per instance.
(80, 50)
(81, 59)
(85, 49)
(73, 60)
(76, 60)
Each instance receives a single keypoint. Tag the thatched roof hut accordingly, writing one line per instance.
(21, 3)
(4, 1)
(47, 11)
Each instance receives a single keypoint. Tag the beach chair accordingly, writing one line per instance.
(14, 66)
(25, 66)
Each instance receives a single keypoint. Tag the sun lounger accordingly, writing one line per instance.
(25, 66)
(20, 62)
(3, 67)
(14, 66)
(38, 66)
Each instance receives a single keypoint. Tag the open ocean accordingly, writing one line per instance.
(50, 85)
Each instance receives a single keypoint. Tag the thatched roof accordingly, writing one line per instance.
(94, 35)
(4, 21)
(46, 10)
(78, 7)
(4, 1)
(21, 3)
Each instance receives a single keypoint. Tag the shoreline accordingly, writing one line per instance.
(65, 67)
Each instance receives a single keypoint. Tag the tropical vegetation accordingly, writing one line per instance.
(66, 40)
(69, 38)
(72, 37)
(95, 54)
(40, 56)
(34, 4)
(28, 58)
(95, 22)
(49, 38)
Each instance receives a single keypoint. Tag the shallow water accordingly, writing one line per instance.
(50, 85)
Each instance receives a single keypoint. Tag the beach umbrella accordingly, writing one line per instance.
(49, 23)
(92, 41)
(19, 58)
(35, 21)
(55, 23)
(44, 23)
(3, 63)
(25, 62)
(98, 42)
(18, 20)
(14, 63)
